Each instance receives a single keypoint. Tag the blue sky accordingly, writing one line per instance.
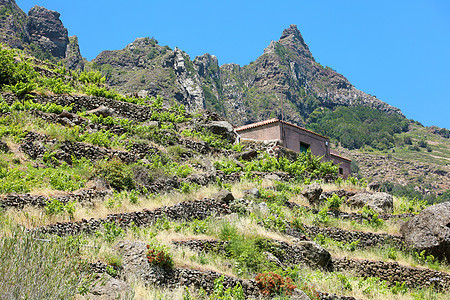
(397, 50)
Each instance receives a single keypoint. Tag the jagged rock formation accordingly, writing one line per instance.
(285, 80)
(47, 31)
(41, 33)
(154, 70)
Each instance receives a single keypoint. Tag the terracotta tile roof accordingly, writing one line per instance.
(336, 154)
(270, 121)
(257, 124)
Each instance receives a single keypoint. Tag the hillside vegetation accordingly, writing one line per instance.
(122, 197)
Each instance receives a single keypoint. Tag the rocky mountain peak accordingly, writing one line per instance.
(293, 38)
(47, 31)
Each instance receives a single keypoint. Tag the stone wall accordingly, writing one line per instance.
(366, 239)
(135, 264)
(84, 196)
(393, 272)
(184, 211)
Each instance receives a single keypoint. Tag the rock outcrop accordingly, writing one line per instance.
(379, 202)
(312, 192)
(47, 31)
(430, 231)
(285, 73)
(40, 33)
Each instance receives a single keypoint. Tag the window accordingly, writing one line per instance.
(303, 147)
(341, 171)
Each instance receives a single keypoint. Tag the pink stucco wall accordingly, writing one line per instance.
(344, 164)
(262, 133)
(291, 136)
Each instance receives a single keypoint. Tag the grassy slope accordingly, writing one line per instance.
(101, 245)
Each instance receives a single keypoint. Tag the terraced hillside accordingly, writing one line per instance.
(106, 196)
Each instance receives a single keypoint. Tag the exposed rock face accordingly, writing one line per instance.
(12, 25)
(312, 193)
(153, 70)
(222, 128)
(74, 60)
(286, 73)
(47, 31)
(430, 230)
(379, 202)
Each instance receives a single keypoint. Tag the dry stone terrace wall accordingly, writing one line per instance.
(33, 147)
(127, 110)
(350, 216)
(85, 196)
(390, 271)
(288, 254)
(366, 239)
(184, 211)
(393, 272)
(135, 263)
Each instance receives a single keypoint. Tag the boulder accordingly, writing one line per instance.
(378, 202)
(247, 155)
(430, 231)
(223, 196)
(222, 128)
(106, 287)
(253, 192)
(314, 254)
(298, 294)
(381, 203)
(312, 192)
(102, 111)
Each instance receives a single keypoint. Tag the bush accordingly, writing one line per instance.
(219, 292)
(334, 202)
(157, 255)
(272, 284)
(116, 173)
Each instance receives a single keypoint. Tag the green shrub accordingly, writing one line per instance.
(55, 207)
(20, 89)
(227, 166)
(91, 77)
(116, 173)
(7, 66)
(219, 292)
(110, 232)
(334, 202)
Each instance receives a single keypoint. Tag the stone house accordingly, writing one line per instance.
(295, 138)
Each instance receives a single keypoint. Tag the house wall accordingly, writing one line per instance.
(292, 136)
(344, 164)
(262, 133)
